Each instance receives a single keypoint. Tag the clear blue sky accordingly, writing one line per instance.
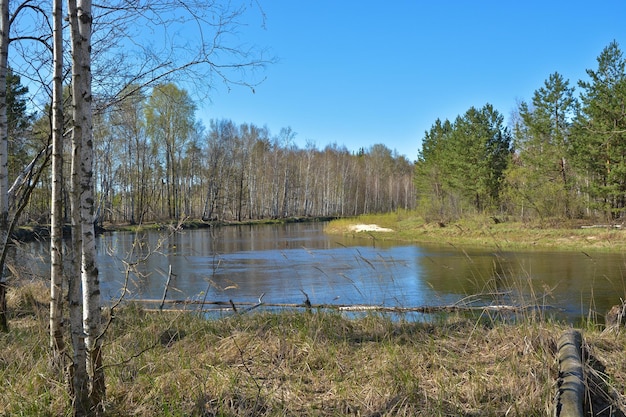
(357, 73)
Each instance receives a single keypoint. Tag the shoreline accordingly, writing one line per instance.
(481, 233)
(408, 227)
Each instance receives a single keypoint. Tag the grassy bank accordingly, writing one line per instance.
(298, 363)
(487, 232)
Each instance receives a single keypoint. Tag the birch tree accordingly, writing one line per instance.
(128, 128)
(10, 204)
(4, 154)
(86, 335)
(170, 117)
(200, 57)
(57, 344)
(13, 198)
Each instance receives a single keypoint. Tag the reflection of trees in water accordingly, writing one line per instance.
(242, 262)
(573, 280)
(460, 272)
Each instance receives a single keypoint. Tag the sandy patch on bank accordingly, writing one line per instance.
(369, 228)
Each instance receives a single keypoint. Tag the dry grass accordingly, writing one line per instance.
(307, 364)
(485, 232)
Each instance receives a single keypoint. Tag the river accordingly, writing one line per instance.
(286, 263)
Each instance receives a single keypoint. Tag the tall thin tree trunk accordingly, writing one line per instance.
(57, 343)
(89, 271)
(83, 217)
(80, 380)
(4, 155)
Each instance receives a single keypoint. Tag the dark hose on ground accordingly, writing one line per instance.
(571, 384)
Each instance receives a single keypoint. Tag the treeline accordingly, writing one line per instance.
(155, 161)
(563, 155)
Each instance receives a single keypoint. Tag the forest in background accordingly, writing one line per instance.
(561, 156)
(155, 161)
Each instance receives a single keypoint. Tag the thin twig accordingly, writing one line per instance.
(167, 285)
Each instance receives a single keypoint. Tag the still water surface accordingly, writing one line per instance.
(284, 261)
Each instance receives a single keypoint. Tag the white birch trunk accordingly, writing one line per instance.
(89, 270)
(83, 205)
(80, 379)
(4, 156)
(57, 343)
(4, 140)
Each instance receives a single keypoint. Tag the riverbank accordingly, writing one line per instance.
(307, 364)
(484, 232)
(406, 226)
(30, 232)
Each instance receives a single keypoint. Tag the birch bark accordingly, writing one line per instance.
(83, 204)
(57, 343)
(80, 379)
(4, 153)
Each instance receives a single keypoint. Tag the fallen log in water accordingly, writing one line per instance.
(231, 305)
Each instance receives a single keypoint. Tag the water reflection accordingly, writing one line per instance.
(575, 282)
(285, 261)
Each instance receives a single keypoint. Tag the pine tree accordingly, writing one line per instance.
(480, 152)
(541, 178)
(600, 132)
(461, 165)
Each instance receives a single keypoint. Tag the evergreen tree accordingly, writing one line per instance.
(435, 196)
(483, 146)
(19, 121)
(600, 134)
(461, 165)
(541, 178)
